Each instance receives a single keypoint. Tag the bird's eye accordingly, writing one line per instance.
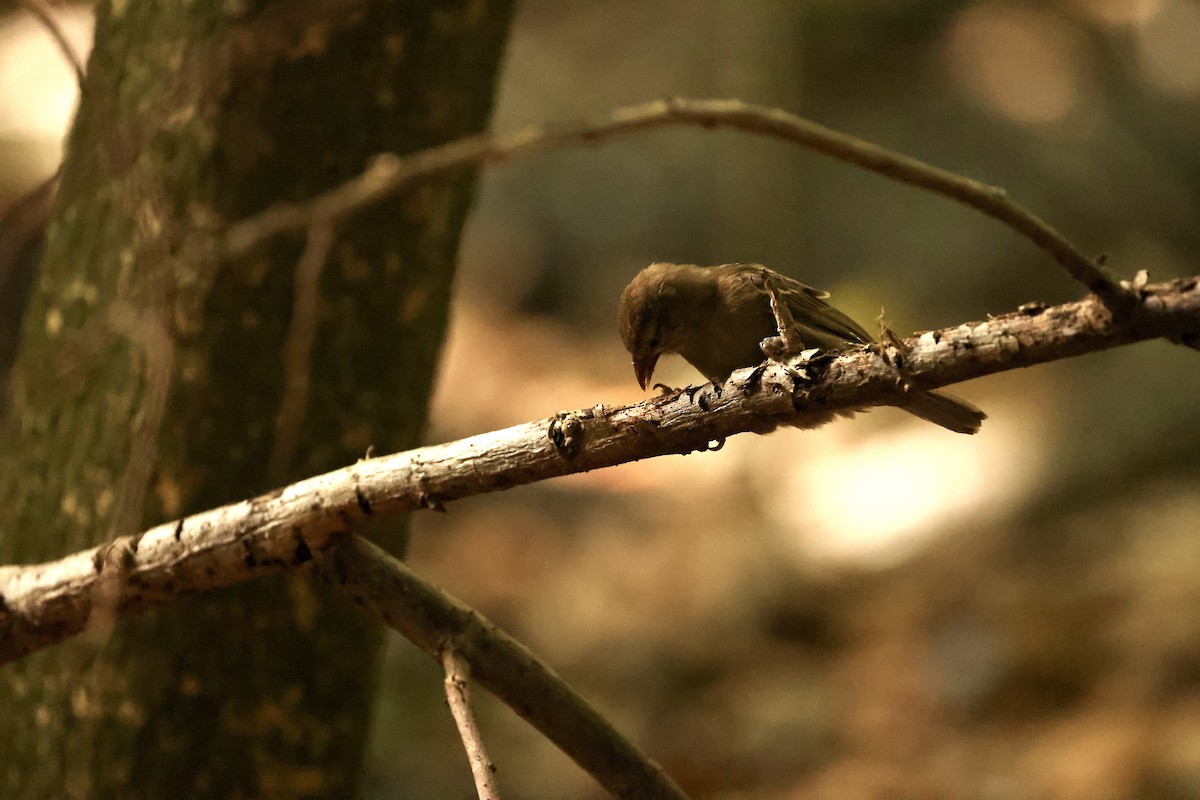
(653, 341)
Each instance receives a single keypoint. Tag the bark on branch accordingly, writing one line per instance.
(46, 603)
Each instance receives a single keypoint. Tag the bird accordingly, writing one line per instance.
(717, 317)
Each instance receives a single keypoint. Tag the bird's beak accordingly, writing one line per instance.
(643, 368)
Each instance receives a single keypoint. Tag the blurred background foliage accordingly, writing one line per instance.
(878, 608)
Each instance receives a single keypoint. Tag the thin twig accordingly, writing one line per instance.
(41, 10)
(297, 349)
(458, 695)
(389, 173)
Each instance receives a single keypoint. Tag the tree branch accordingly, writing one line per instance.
(390, 173)
(46, 603)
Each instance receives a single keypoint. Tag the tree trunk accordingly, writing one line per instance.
(151, 384)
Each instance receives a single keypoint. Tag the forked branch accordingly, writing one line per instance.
(389, 590)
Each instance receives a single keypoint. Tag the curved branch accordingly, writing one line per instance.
(41, 11)
(389, 173)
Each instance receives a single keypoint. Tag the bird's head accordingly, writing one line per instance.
(652, 313)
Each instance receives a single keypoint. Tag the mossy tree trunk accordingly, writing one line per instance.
(151, 384)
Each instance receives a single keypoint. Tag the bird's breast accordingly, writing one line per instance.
(722, 341)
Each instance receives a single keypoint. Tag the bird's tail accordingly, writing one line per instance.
(952, 413)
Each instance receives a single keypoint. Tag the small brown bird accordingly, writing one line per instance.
(716, 318)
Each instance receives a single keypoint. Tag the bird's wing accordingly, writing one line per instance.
(809, 306)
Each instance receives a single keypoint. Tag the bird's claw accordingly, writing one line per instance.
(774, 348)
